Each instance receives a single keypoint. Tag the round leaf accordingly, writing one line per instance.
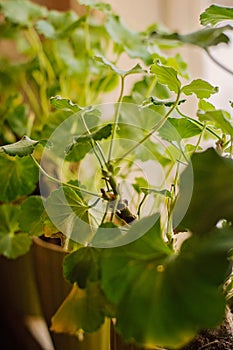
(19, 177)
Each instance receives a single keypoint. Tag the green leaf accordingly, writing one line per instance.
(46, 28)
(144, 279)
(30, 216)
(81, 144)
(215, 14)
(17, 119)
(95, 4)
(203, 38)
(97, 135)
(69, 214)
(131, 41)
(135, 70)
(76, 151)
(22, 148)
(207, 37)
(12, 244)
(199, 87)
(22, 12)
(59, 25)
(176, 129)
(212, 198)
(82, 266)
(166, 76)
(107, 235)
(82, 310)
(140, 182)
(220, 118)
(64, 103)
(175, 62)
(19, 177)
(205, 106)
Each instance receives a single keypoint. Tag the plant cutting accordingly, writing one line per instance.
(138, 193)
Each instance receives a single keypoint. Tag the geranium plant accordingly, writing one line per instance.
(139, 193)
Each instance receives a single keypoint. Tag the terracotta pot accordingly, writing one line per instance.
(52, 290)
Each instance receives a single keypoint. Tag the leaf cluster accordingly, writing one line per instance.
(122, 228)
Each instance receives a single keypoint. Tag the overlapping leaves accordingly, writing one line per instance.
(22, 12)
(212, 198)
(69, 213)
(12, 242)
(154, 276)
(19, 177)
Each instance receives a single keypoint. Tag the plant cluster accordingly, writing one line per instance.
(123, 229)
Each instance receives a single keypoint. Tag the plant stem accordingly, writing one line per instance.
(35, 107)
(140, 204)
(151, 86)
(116, 117)
(57, 181)
(155, 128)
(86, 94)
(226, 69)
(199, 138)
(197, 122)
(94, 143)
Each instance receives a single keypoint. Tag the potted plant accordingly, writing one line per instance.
(132, 189)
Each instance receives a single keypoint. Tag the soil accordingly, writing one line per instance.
(220, 338)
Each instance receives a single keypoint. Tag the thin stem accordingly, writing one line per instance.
(140, 204)
(31, 96)
(94, 142)
(151, 86)
(197, 122)
(155, 128)
(116, 117)
(85, 95)
(226, 69)
(57, 181)
(199, 139)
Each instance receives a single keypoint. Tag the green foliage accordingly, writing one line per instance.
(22, 12)
(22, 148)
(220, 118)
(154, 277)
(212, 193)
(215, 14)
(203, 38)
(136, 69)
(117, 179)
(167, 76)
(31, 216)
(81, 311)
(12, 242)
(19, 177)
(201, 88)
(68, 212)
(82, 266)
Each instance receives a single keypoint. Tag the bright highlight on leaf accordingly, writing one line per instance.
(21, 148)
(166, 76)
(199, 87)
(64, 103)
(82, 310)
(22, 12)
(215, 14)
